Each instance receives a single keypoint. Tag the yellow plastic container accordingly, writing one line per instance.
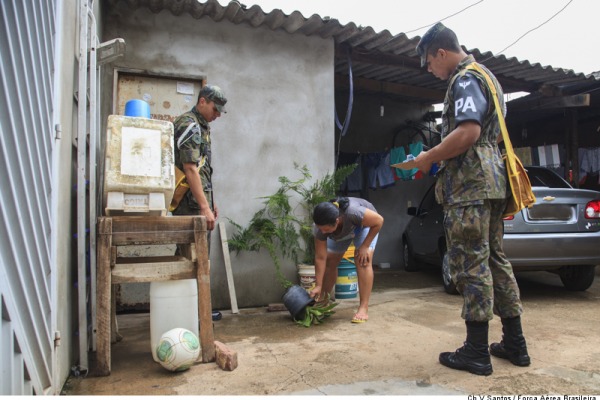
(349, 254)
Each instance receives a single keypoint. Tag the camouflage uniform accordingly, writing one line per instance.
(192, 144)
(472, 189)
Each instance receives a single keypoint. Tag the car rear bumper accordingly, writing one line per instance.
(547, 250)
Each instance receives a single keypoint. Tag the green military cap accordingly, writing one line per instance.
(423, 45)
(216, 95)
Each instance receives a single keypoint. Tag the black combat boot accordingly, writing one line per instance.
(474, 355)
(513, 346)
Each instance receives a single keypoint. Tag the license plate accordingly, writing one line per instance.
(551, 212)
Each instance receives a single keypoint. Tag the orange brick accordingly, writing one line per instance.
(226, 358)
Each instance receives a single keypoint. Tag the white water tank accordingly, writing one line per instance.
(173, 304)
(139, 170)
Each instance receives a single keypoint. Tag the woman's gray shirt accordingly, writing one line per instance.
(351, 219)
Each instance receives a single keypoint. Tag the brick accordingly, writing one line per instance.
(226, 358)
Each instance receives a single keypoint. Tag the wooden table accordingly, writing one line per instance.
(123, 231)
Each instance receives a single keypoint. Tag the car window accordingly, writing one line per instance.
(428, 201)
(546, 178)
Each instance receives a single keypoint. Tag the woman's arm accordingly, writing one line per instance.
(320, 265)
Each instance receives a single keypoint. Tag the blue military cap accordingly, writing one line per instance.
(214, 94)
(423, 45)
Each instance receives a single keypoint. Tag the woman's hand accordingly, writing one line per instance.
(315, 293)
(362, 256)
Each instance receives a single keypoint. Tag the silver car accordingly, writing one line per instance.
(560, 233)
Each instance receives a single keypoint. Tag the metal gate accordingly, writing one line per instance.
(27, 34)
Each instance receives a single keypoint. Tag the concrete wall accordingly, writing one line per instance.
(280, 91)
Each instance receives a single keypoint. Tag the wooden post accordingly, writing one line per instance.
(103, 296)
(207, 338)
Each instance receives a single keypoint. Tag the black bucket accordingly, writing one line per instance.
(295, 299)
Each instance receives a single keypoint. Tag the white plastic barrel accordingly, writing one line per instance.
(173, 304)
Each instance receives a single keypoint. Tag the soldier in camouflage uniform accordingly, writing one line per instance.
(471, 186)
(193, 154)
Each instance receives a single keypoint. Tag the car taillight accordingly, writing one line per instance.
(592, 210)
(509, 218)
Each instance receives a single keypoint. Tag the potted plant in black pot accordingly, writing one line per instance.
(284, 234)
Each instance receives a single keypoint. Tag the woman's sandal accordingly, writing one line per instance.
(359, 320)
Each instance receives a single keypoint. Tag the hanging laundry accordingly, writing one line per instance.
(548, 156)
(398, 155)
(524, 154)
(378, 170)
(589, 160)
(415, 150)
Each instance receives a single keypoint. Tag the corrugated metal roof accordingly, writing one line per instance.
(381, 62)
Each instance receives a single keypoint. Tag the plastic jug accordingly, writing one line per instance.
(173, 304)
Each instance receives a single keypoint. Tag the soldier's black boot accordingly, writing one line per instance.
(513, 346)
(474, 355)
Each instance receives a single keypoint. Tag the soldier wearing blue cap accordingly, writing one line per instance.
(471, 186)
(193, 156)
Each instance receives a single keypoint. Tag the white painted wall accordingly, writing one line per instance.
(280, 91)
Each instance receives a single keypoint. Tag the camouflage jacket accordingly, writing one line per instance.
(479, 173)
(192, 144)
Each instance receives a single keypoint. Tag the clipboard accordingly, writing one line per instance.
(410, 164)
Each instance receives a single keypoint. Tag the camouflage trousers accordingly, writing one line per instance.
(482, 273)
(189, 206)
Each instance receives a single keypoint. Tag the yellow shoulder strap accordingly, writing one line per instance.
(510, 154)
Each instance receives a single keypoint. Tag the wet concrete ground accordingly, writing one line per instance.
(411, 320)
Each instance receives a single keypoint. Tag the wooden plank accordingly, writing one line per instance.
(152, 230)
(227, 260)
(103, 296)
(152, 269)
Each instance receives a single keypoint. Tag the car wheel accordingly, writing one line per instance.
(410, 264)
(577, 277)
(449, 285)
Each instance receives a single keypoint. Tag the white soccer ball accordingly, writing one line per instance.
(178, 349)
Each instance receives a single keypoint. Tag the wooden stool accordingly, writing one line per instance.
(122, 231)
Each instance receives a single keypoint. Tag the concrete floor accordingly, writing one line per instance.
(396, 352)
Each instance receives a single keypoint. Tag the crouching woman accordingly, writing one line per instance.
(338, 223)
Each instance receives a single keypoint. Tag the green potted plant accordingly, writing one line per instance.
(277, 229)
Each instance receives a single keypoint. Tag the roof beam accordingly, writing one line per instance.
(395, 89)
(391, 60)
(579, 100)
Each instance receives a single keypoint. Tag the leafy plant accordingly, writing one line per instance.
(277, 229)
(314, 315)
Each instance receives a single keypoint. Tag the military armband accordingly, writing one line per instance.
(187, 135)
(470, 103)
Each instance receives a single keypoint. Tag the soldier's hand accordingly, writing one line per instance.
(210, 218)
(422, 164)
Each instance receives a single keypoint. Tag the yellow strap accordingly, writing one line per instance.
(510, 154)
